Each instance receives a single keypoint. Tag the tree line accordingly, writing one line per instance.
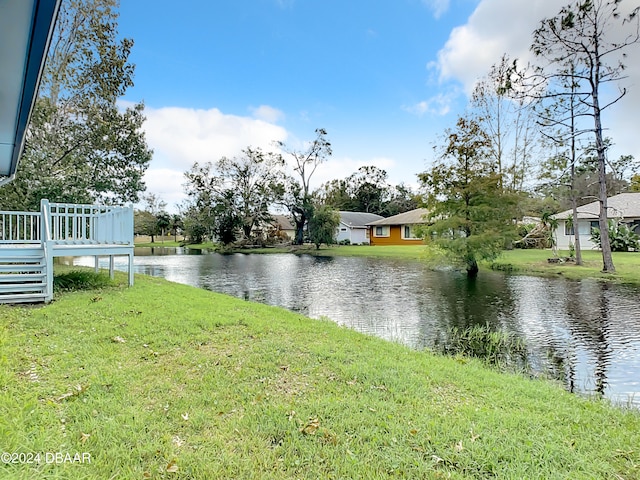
(232, 199)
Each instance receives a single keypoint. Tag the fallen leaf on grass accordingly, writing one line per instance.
(84, 437)
(172, 467)
(311, 427)
(185, 416)
(118, 339)
(177, 441)
(459, 446)
(76, 391)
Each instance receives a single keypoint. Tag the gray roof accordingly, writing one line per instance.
(623, 205)
(358, 219)
(283, 222)
(407, 218)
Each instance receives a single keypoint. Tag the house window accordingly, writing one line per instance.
(343, 229)
(382, 231)
(595, 224)
(408, 233)
(568, 228)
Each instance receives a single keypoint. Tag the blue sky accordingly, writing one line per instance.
(383, 77)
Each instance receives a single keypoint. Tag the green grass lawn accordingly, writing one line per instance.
(168, 381)
(535, 261)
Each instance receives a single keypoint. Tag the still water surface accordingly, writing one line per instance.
(591, 330)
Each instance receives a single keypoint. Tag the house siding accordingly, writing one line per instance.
(354, 235)
(394, 238)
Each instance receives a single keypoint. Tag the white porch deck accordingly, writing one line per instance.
(30, 240)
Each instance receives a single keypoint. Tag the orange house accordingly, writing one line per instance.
(399, 229)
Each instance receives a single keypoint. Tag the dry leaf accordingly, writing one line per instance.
(292, 414)
(185, 416)
(311, 427)
(118, 339)
(459, 446)
(77, 390)
(413, 431)
(172, 467)
(84, 437)
(177, 441)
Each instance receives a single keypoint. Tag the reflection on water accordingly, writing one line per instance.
(587, 332)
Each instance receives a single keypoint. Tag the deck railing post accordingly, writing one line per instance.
(47, 246)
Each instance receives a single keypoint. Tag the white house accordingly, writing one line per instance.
(353, 227)
(624, 207)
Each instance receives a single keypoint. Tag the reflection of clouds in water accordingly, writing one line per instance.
(593, 330)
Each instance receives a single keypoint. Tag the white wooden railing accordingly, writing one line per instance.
(20, 227)
(64, 229)
(88, 224)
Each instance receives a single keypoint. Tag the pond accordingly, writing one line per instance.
(587, 332)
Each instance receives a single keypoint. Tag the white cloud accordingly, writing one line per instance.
(439, 7)
(180, 137)
(506, 26)
(267, 113)
(438, 105)
(495, 27)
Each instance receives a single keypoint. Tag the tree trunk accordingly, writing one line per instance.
(576, 233)
(605, 243)
(472, 268)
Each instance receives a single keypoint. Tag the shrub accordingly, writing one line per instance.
(621, 237)
(81, 280)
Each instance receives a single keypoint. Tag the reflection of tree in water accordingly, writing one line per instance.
(465, 302)
(589, 323)
(471, 310)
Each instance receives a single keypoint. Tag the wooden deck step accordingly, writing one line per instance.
(23, 298)
(10, 288)
(23, 277)
(30, 277)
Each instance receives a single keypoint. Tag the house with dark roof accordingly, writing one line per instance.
(624, 208)
(353, 227)
(400, 229)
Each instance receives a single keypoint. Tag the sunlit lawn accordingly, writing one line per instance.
(535, 261)
(168, 381)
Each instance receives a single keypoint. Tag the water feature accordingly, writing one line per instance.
(587, 332)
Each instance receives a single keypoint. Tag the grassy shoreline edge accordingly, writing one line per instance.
(168, 381)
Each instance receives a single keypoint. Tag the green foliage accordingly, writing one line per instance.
(81, 146)
(322, 226)
(622, 238)
(497, 349)
(153, 219)
(240, 189)
(470, 215)
(367, 190)
(297, 195)
(81, 280)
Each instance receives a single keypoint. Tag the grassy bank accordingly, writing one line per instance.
(167, 381)
(535, 261)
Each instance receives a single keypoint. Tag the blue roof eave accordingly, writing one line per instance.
(40, 30)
